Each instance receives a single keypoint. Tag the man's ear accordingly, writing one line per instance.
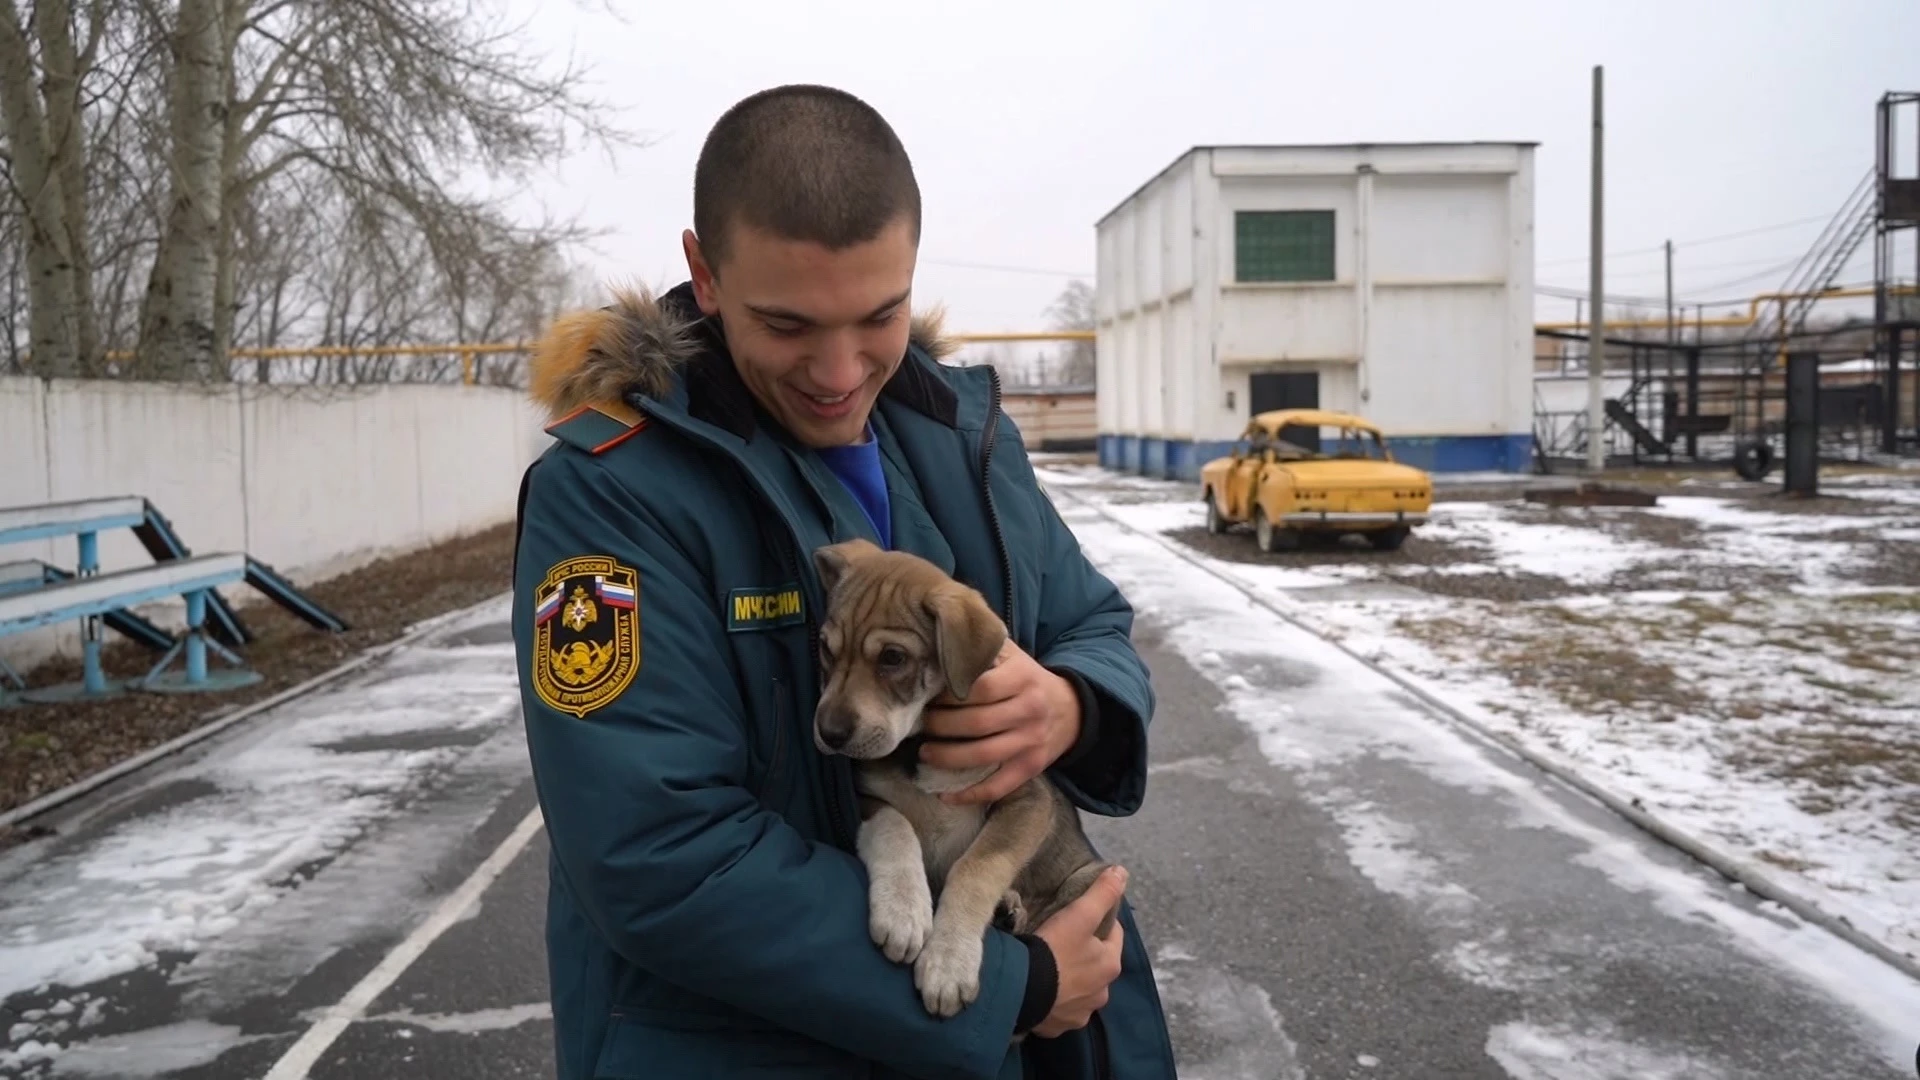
(967, 636)
(700, 273)
(832, 561)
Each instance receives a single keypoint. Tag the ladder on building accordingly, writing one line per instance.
(1819, 269)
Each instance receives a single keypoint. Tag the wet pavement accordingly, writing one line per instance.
(1335, 884)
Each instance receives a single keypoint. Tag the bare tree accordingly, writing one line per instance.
(177, 319)
(174, 174)
(45, 131)
(1073, 309)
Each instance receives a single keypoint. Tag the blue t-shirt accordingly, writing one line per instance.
(858, 467)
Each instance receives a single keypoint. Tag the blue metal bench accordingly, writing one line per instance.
(93, 595)
(35, 594)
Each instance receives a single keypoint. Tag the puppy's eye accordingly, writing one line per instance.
(892, 656)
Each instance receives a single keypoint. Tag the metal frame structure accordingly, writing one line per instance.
(1733, 394)
(1898, 214)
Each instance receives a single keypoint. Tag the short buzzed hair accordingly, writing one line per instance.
(802, 162)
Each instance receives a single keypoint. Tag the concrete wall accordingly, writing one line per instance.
(1426, 327)
(1052, 420)
(311, 480)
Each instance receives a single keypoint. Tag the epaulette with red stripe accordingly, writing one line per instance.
(599, 427)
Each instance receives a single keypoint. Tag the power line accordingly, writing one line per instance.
(1775, 263)
(1678, 244)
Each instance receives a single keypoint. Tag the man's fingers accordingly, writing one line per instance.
(996, 684)
(1100, 898)
(974, 752)
(971, 721)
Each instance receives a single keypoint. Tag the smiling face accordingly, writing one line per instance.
(815, 332)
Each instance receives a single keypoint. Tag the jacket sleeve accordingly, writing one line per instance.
(669, 855)
(1085, 635)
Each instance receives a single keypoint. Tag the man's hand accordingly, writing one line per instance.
(1086, 965)
(1018, 714)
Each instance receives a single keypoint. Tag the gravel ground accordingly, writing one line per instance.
(45, 747)
(1423, 562)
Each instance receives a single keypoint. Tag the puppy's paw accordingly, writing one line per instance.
(948, 972)
(900, 917)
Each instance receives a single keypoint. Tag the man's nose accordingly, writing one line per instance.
(837, 368)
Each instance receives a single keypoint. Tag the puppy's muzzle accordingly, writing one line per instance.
(833, 727)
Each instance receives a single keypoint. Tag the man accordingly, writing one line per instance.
(707, 910)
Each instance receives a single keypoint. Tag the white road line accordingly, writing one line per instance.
(301, 1056)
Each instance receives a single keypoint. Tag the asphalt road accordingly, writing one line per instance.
(1389, 901)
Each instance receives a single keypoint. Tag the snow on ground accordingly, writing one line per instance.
(1314, 726)
(231, 837)
(1734, 664)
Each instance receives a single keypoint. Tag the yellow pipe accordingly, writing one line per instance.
(1752, 316)
(1682, 324)
(468, 351)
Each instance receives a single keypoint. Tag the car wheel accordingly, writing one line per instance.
(1272, 539)
(1215, 523)
(1389, 539)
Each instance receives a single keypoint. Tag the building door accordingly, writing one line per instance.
(1270, 390)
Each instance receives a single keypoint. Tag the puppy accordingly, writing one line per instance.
(896, 633)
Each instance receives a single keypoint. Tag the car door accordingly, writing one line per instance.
(1246, 472)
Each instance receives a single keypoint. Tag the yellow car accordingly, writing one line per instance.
(1300, 474)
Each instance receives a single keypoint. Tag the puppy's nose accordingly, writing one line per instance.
(836, 738)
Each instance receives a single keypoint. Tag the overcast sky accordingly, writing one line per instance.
(1029, 120)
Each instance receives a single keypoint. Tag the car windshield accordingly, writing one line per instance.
(1325, 442)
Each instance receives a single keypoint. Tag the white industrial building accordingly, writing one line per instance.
(1394, 281)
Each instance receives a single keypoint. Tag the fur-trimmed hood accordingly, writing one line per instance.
(638, 343)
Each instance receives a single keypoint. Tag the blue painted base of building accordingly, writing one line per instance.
(1180, 459)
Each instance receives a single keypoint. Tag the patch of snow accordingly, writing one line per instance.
(469, 1023)
(1383, 850)
(30, 1053)
(1570, 552)
(1761, 696)
(1214, 627)
(281, 794)
(1528, 1052)
(153, 1051)
(1239, 1028)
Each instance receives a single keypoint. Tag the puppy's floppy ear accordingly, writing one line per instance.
(833, 560)
(967, 635)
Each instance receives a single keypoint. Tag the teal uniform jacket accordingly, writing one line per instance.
(707, 916)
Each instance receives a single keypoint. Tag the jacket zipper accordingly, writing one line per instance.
(986, 492)
(836, 815)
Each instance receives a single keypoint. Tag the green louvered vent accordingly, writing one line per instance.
(1283, 245)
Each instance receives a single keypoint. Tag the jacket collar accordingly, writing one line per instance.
(665, 348)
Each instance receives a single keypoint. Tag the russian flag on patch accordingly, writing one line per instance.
(549, 604)
(613, 594)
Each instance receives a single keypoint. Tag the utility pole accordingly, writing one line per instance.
(1596, 319)
(1671, 340)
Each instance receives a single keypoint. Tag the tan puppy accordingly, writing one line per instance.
(897, 632)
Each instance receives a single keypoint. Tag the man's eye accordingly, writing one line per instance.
(785, 329)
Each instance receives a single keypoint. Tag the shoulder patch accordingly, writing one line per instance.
(600, 427)
(586, 633)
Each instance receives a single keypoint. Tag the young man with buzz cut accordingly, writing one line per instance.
(707, 911)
